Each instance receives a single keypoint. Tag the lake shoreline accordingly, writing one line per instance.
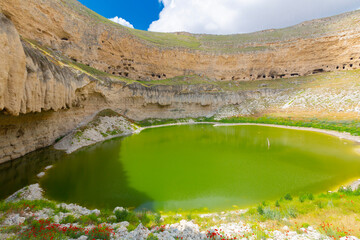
(70, 143)
(341, 135)
(68, 219)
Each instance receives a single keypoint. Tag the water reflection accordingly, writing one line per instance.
(94, 177)
(190, 167)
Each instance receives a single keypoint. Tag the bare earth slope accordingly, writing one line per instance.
(64, 63)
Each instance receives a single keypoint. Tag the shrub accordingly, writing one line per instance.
(305, 196)
(302, 198)
(305, 225)
(291, 211)
(68, 219)
(345, 190)
(144, 218)
(311, 196)
(89, 219)
(272, 214)
(125, 215)
(157, 219)
(320, 204)
(288, 197)
(260, 210)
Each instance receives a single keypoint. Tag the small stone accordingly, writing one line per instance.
(56, 219)
(311, 228)
(40, 175)
(14, 219)
(96, 211)
(48, 167)
(118, 209)
(83, 237)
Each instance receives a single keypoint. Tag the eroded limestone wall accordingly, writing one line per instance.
(41, 99)
(116, 51)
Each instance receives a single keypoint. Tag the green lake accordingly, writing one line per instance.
(201, 166)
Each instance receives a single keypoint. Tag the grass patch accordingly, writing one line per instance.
(88, 69)
(147, 219)
(34, 205)
(327, 212)
(167, 39)
(350, 126)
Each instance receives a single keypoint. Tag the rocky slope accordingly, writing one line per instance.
(65, 25)
(60, 220)
(49, 82)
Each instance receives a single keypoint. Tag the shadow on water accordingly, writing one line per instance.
(94, 177)
(22, 172)
(190, 167)
(103, 180)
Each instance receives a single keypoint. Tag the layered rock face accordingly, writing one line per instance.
(12, 67)
(45, 95)
(323, 45)
(52, 98)
(30, 82)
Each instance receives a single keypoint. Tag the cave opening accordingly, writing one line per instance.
(320, 70)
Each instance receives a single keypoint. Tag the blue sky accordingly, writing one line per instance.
(217, 16)
(140, 13)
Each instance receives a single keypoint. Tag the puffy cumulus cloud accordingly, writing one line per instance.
(121, 21)
(239, 16)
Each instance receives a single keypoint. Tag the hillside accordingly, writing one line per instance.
(64, 63)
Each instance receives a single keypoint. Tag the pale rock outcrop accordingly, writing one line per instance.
(12, 68)
(32, 192)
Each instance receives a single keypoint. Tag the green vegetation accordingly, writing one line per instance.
(350, 126)
(334, 214)
(329, 213)
(34, 205)
(88, 69)
(167, 39)
(156, 121)
(336, 80)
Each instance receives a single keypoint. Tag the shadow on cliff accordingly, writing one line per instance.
(93, 177)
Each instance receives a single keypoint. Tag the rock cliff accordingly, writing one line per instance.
(63, 64)
(317, 46)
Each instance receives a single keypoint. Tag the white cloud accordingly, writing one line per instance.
(121, 21)
(239, 16)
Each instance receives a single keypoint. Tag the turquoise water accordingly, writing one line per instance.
(202, 166)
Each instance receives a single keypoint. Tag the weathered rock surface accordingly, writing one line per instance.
(311, 47)
(98, 130)
(12, 67)
(32, 192)
(44, 97)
